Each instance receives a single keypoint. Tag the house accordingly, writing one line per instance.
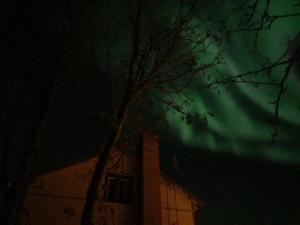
(132, 192)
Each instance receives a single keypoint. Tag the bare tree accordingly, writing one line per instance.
(254, 18)
(161, 57)
(15, 189)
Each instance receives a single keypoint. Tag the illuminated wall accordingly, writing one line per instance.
(57, 198)
(177, 206)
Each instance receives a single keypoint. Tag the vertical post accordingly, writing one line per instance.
(151, 204)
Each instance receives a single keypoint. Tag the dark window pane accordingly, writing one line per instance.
(119, 189)
(112, 192)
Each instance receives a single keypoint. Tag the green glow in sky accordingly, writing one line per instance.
(239, 124)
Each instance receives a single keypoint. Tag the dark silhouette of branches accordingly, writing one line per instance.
(251, 22)
(255, 20)
(162, 58)
(15, 191)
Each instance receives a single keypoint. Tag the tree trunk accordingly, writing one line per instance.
(18, 187)
(16, 192)
(102, 161)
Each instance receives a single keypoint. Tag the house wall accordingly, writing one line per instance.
(57, 198)
(124, 164)
(177, 206)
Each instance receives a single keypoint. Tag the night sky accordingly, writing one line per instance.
(248, 131)
(230, 161)
(236, 190)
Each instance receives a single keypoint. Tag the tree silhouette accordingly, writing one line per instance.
(254, 18)
(150, 51)
(161, 55)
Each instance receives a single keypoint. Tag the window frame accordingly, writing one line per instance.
(119, 196)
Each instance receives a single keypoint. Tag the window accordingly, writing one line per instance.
(118, 189)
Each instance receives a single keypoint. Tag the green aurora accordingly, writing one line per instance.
(240, 114)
